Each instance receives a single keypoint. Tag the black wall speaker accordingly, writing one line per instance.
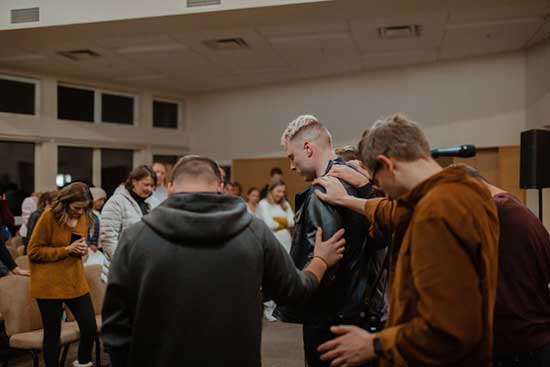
(535, 159)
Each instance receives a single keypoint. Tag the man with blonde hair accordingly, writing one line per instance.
(308, 145)
(443, 257)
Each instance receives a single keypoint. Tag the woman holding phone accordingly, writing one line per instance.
(57, 273)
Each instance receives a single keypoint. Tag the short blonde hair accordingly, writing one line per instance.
(304, 126)
(395, 136)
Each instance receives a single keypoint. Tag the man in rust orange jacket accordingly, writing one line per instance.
(443, 259)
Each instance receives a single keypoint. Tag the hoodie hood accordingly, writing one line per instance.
(199, 217)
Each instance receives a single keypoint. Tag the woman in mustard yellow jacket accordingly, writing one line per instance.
(57, 273)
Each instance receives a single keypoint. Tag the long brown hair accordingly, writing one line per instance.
(269, 197)
(72, 193)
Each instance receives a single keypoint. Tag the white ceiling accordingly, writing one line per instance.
(167, 54)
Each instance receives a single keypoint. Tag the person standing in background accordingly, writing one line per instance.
(252, 200)
(237, 189)
(44, 202)
(275, 175)
(29, 205)
(7, 221)
(99, 196)
(276, 212)
(160, 194)
(126, 207)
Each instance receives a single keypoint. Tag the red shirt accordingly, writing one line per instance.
(522, 310)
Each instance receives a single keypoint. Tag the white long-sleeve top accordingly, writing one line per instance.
(267, 211)
(27, 207)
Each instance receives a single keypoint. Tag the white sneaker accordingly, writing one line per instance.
(76, 364)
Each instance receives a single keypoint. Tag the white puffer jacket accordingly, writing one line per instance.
(119, 213)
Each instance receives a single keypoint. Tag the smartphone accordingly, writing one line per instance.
(75, 236)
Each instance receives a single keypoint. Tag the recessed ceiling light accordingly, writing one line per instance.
(401, 31)
(79, 55)
(226, 44)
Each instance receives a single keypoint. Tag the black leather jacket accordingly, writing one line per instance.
(341, 297)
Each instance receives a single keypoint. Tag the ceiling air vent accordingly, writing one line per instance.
(79, 55)
(402, 31)
(227, 44)
(27, 15)
(196, 3)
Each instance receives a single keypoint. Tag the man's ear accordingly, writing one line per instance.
(308, 148)
(170, 188)
(387, 162)
(221, 187)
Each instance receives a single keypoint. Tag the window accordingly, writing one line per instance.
(116, 164)
(16, 173)
(166, 159)
(117, 109)
(75, 104)
(165, 114)
(17, 96)
(74, 164)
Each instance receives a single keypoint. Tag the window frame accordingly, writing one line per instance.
(180, 120)
(37, 93)
(75, 86)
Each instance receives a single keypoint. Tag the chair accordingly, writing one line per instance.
(97, 294)
(22, 319)
(23, 262)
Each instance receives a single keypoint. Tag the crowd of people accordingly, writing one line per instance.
(386, 259)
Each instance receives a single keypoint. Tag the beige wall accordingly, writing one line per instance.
(537, 102)
(479, 101)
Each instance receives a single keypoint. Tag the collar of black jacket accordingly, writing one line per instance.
(203, 217)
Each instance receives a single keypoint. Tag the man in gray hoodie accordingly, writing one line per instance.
(171, 269)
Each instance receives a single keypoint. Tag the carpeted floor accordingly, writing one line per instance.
(281, 347)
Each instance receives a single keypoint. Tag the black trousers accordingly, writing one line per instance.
(52, 312)
(314, 336)
(536, 358)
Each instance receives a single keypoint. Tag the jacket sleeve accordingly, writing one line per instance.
(281, 280)
(118, 306)
(379, 214)
(111, 224)
(449, 321)
(40, 248)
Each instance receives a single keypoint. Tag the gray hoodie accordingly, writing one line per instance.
(185, 285)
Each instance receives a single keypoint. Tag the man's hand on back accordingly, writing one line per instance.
(331, 251)
(335, 192)
(349, 175)
(352, 347)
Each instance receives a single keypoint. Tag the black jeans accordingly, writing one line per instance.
(536, 358)
(52, 311)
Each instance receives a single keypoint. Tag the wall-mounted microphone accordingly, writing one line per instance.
(462, 151)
